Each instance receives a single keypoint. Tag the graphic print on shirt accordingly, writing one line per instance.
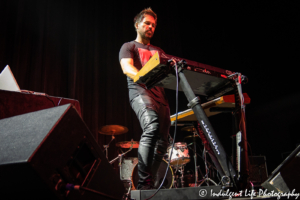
(145, 55)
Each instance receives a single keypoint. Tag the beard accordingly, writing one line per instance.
(146, 35)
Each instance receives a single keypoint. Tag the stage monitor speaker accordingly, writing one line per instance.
(285, 178)
(43, 151)
(257, 170)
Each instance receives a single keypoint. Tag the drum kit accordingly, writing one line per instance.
(178, 155)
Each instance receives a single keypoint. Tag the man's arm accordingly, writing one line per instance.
(128, 68)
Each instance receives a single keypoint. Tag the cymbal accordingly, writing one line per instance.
(127, 144)
(191, 137)
(113, 130)
(188, 128)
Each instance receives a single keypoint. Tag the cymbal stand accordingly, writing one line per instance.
(180, 169)
(120, 156)
(129, 190)
(174, 177)
(195, 155)
(107, 146)
(182, 176)
(206, 178)
(195, 158)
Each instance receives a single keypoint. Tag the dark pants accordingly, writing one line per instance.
(154, 119)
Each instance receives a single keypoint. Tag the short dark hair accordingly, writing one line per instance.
(147, 11)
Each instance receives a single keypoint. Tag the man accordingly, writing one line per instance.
(150, 106)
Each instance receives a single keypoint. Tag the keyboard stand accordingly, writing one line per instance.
(228, 172)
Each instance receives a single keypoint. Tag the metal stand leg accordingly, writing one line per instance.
(120, 165)
(174, 182)
(206, 178)
(127, 195)
(182, 176)
(107, 146)
(195, 159)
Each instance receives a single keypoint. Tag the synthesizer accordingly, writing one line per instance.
(204, 79)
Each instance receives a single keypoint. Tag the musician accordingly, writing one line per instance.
(150, 105)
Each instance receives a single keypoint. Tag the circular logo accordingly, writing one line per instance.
(202, 192)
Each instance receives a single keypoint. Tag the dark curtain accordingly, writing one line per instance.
(70, 49)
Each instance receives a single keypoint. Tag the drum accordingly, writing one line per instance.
(180, 155)
(127, 167)
(159, 176)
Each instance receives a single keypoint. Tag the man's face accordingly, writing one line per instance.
(146, 27)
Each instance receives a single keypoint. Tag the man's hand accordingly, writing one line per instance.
(128, 68)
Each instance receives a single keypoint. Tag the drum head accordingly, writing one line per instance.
(180, 154)
(180, 144)
(159, 178)
(179, 161)
(127, 167)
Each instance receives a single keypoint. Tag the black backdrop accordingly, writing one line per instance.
(70, 49)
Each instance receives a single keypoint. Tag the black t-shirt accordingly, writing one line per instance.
(140, 54)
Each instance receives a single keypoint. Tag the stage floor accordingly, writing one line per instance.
(208, 192)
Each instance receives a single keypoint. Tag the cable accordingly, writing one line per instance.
(50, 100)
(59, 101)
(177, 85)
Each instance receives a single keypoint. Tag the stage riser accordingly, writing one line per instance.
(178, 193)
